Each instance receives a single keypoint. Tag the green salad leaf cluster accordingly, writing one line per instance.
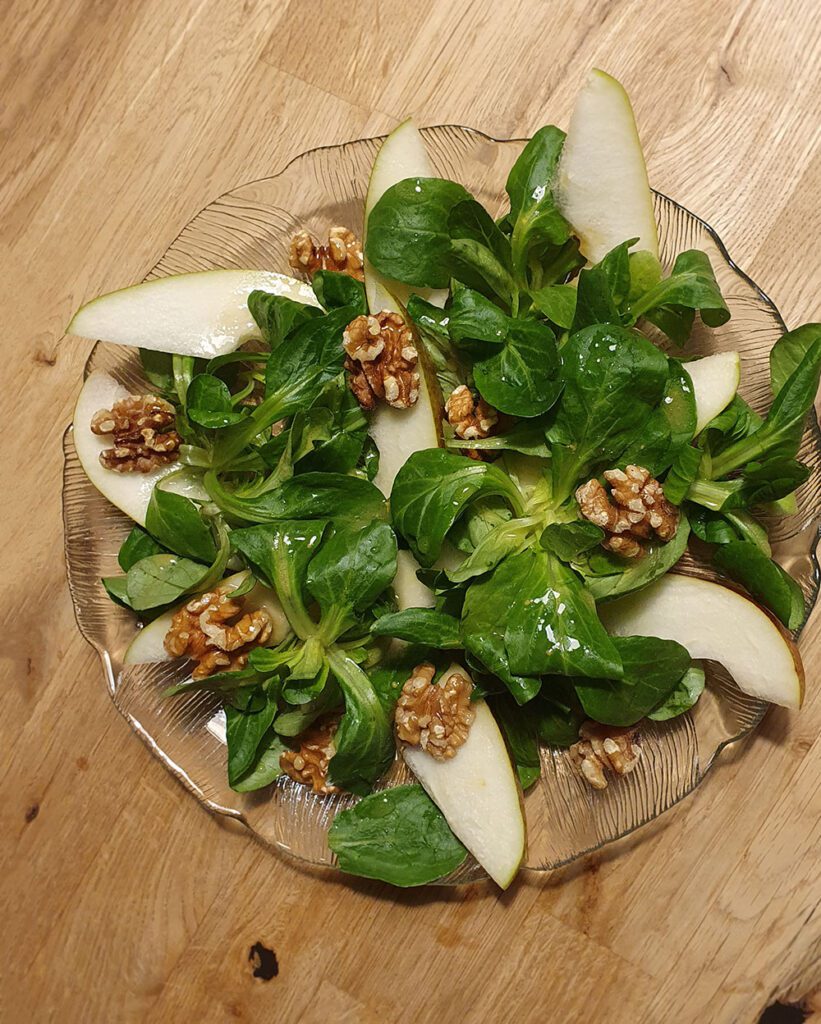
(285, 466)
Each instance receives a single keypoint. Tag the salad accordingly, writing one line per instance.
(425, 497)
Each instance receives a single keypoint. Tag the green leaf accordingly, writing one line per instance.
(532, 616)
(594, 303)
(658, 558)
(295, 376)
(527, 437)
(685, 696)
(277, 316)
(398, 836)
(489, 605)
(347, 500)
(158, 370)
(117, 590)
(788, 352)
(504, 539)
(557, 302)
(759, 483)
(138, 544)
(280, 553)
(348, 573)
(408, 238)
(162, 579)
(569, 540)
(209, 403)
(766, 581)
(518, 727)
(433, 489)
(779, 436)
(691, 287)
(670, 427)
(469, 219)
(244, 733)
(523, 378)
(557, 713)
(364, 740)
(478, 267)
(420, 626)
(334, 289)
(551, 624)
(616, 267)
(292, 721)
(472, 318)
(645, 273)
(265, 767)
(652, 668)
(175, 521)
(530, 186)
(312, 355)
(682, 473)
(614, 378)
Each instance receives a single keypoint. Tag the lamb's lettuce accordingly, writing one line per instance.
(398, 836)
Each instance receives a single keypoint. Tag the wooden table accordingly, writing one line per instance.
(122, 899)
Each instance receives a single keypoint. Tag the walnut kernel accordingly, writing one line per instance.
(381, 360)
(309, 764)
(635, 510)
(435, 716)
(143, 433)
(212, 630)
(604, 748)
(343, 253)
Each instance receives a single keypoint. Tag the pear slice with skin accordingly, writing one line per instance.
(130, 492)
(719, 624)
(203, 314)
(603, 189)
(715, 383)
(147, 645)
(478, 794)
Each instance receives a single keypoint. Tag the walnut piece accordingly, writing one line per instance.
(143, 432)
(434, 716)
(381, 360)
(471, 417)
(605, 748)
(343, 253)
(213, 630)
(309, 764)
(635, 510)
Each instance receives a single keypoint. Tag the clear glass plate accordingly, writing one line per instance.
(251, 227)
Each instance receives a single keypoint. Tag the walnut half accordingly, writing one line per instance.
(309, 764)
(434, 716)
(214, 631)
(635, 510)
(343, 253)
(381, 360)
(470, 416)
(143, 434)
(605, 748)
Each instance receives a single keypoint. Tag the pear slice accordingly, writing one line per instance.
(203, 314)
(602, 183)
(399, 433)
(478, 794)
(130, 492)
(719, 624)
(147, 645)
(715, 383)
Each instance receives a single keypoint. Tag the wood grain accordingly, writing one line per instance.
(122, 899)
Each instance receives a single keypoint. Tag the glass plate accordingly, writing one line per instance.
(251, 227)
